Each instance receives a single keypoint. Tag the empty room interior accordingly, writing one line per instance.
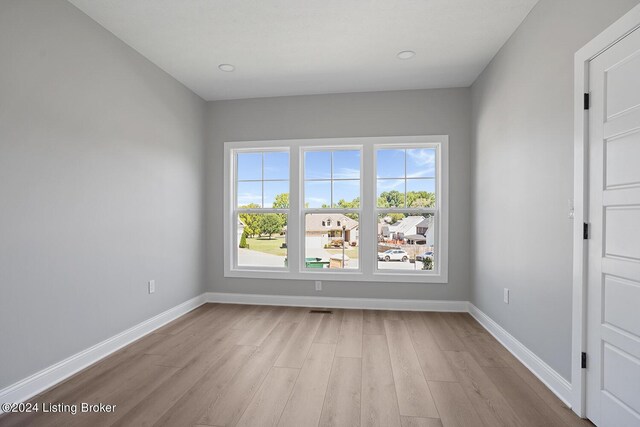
(399, 213)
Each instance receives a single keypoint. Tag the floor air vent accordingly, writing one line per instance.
(321, 311)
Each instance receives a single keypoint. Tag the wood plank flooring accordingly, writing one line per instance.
(239, 365)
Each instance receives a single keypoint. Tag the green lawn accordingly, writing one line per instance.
(272, 246)
(268, 246)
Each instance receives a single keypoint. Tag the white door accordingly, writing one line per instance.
(613, 328)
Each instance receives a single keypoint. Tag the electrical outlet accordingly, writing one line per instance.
(152, 286)
(318, 285)
(572, 210)
(506, 295)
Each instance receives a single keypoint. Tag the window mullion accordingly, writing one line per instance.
(368, 228)
(331, 184)
(294, 237)
(406, 205)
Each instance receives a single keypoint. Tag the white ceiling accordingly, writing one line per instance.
(294, 47)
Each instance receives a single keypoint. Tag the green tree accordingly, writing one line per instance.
(251, 221)
(391, 199)
(354, 204)
(271, 224)
(427, 263)
(281, 201)
(243, 239)
(420, 199)
(395, 217)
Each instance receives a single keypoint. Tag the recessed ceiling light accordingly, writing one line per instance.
(227, 68)
(406, 54)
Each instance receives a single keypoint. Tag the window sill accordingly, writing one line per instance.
(347, 276)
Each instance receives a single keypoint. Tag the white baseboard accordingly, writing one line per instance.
(40, 381)
(553, 380)
(338, 302)
(48, 377)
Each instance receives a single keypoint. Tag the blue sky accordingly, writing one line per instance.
(273, 168)
(346, 164)
(318, 174)
(250, 168)
(421, 163)
(276, 166)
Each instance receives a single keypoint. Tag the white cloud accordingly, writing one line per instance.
(423, 157)
(387, 184)
(343, 173)
(428, 173)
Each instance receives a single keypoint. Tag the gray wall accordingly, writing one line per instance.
(100, 186)
(101, 180)
(445, 111)
(523, 174)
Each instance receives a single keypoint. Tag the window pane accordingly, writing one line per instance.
(331, 241)
(390, 163)
(421, 193)
(346, 194)
(249, 194)
(405, 241)
(249, 166)
(390, 193)
(421, 163)
(276, 194)
(262, 240)
(276, 165)
(346, 164)
(317, 165)
(317, 194)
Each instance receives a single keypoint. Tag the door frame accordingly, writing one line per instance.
(613, 34)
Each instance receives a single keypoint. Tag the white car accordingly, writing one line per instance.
(424, 256)
(393, 255)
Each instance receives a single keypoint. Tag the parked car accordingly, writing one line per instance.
(423, 256)
(393, 255)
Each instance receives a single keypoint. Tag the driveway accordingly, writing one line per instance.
(398, 265)
(248, 257)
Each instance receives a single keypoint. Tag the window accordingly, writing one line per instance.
(261, 208)
(368, 209)
(406, 208)
(331, 208)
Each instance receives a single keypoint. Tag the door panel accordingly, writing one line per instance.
(621, 300)
(613, 294)
(612, 408)
(620, 96)
(618, 151)
(620, 397)
(621, 374)
(622, 232)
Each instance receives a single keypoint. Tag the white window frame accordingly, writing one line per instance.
(367, 271)
(237, 211)
(305, 211)
(436, 211)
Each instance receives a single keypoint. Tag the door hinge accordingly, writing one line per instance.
(585, 231)
(583, 360)
(587, 101)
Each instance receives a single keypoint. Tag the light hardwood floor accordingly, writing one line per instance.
(240, 365)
